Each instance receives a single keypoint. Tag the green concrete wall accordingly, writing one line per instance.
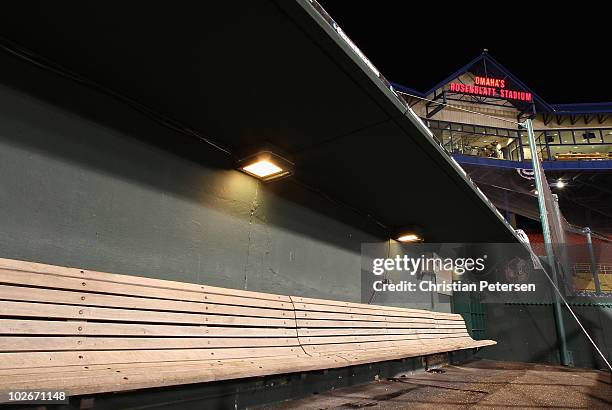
(527, 333)
(86, 182)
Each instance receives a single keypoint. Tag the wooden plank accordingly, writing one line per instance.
(24, 309)
(364, 332)
(416, 344)
(318, 340)
(42, 374)
(368, 310)
(302, 323)
(447, 316)
(102, 381)
(33, 267)
(344, 307)
(326, 302)
(443, 332)
(150, 366)
(449, 322)
(359, 324)
(306, 332)
(300, 314)
(310, 307)
(88, 285)
(450, 330)
(43, 327)
(401, 352)
(449, 327)
(18, 293)
(19, 344)
(339, 348)
(89, 357)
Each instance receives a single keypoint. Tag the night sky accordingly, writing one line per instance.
(562, 58)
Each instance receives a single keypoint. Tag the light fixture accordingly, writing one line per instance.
(409, 238)
(409, 233)
(266, 166)
(560, 184)
(262, 169)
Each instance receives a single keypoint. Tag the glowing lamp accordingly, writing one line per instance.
(266, 166)
(263, 169)
(409, 238)
(410, 233)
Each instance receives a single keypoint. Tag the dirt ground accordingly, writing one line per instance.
(478, 384)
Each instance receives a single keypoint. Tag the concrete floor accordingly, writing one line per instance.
(478, 384)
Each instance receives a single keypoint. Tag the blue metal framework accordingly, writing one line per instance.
(548, 165)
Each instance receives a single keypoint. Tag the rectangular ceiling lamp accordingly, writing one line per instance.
(266, 166)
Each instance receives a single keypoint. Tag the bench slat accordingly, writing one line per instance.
(18, 293)
(371, 338)
(89, 357)
(14, 344)
(34, 267)
(340, 303)
(77, 369)
(25, 309)
(374, 346)
(349, 316)
(306, 332)
(43, 327)
(169, 374)
(314, 323)
(14, 277)
(409, 313)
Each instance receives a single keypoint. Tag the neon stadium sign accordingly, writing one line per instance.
(490, 87)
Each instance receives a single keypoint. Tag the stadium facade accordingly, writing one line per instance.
(565, 132)
(475, 114)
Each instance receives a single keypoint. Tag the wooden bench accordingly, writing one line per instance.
(91, 332)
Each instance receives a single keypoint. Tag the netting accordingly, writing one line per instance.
(578, 260)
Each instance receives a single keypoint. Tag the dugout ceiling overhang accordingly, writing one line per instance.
(247, 73)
